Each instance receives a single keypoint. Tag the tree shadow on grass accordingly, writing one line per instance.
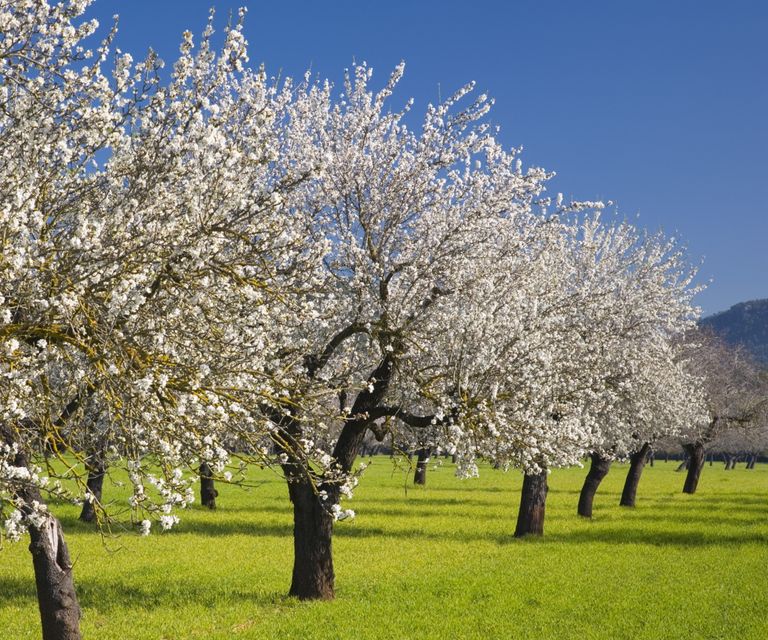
(16, 592)
(106, 595)
(657, 538)
(708, 519)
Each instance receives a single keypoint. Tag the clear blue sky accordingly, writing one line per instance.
(658, 105)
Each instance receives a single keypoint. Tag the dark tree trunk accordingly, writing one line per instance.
(751, 462)
(96, 471)
(597, 471)
(711, 459)
(56, 597)
(530, 517)
(651, 458)
(208, 493)
(420, 476)
(59, 609)
(696, 456)
(636, 466)
(313, 577)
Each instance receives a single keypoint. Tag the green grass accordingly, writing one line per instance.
(437, 562)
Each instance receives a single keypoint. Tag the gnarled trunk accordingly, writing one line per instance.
(313, 577)
(59, 609)
(597, 471)
(636, 466)
(530, 517)
(208, 493)
(96, 471)
(696, 464)
(420, 475)
(56, 596)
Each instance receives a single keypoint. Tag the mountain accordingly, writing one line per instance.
(745, 324)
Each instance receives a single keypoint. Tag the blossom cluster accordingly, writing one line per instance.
(230, 265)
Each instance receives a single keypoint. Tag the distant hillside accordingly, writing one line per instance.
(746, 324)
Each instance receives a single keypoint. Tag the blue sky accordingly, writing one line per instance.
(660, 106)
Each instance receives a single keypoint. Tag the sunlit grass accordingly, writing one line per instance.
(433, 562)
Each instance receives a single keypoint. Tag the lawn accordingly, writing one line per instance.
(433, 562)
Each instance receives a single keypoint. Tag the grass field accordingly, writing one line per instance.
(433, 562)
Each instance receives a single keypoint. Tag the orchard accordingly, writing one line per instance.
(208, 272)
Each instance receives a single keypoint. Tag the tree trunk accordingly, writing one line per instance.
(313, 577)
(597, 471)
(696, 455)
(420, 476)
(59, 609)
(56, 597)
(751, 462)
(636, 466)
(208, 491)
(95, 484)
(530, 517)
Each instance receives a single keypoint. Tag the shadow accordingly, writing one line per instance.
(91, 593)
(427, 500)
(18, 592)
(462, 489)
(656, 538)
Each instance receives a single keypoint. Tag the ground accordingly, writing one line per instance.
(433, 562)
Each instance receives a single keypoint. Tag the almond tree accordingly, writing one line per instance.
(604, 305)
(134, 316)
(412, 224)
(734, 395)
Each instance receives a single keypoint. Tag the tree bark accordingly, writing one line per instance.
(95, 483)
(208, 491)
(313, 577)
(597, 471)
(695, 453)
(56, 597)
(636, 466)
(420, 475)
(530, 517)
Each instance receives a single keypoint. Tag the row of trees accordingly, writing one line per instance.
(219, 265)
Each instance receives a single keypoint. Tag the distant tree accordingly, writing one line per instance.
(735, 399)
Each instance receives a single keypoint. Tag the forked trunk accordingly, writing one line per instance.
(597, 471)
(313, 577)
(208, 491)
(95, 484)
(59, 609)
(696, 456)
(530, 517)
(636, 466)
(420, 476)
